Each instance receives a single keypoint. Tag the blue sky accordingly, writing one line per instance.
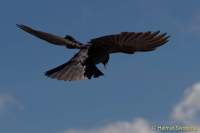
(143, 85)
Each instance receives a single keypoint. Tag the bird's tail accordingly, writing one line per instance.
(71, 71)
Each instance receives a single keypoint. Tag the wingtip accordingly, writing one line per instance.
(21, 26)
(24, 27)
(167, 37)
(18, 25)
(164, 34)
(156, 32)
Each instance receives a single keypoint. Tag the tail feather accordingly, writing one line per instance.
(71, 71)
(77, 68)
(67, 71)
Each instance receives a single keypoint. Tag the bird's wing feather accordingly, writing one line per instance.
(130, 42)
(54, 39)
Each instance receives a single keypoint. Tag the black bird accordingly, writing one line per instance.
(83, 64)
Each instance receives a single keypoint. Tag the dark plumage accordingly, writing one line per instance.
(83, 64)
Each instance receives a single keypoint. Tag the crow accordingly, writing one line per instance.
(83, 64)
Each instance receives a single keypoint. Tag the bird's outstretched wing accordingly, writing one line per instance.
(77, 68)
(130, 42)
(68, 41)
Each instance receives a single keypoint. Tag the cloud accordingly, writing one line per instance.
(188, 109)
(139, 125)
(7, 101)
(187, 112)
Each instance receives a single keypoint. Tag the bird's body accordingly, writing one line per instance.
(83, 64)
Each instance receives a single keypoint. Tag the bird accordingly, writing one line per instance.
(96, 51)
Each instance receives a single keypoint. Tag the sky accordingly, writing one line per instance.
(137, 91)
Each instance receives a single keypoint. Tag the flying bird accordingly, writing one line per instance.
(83, 64)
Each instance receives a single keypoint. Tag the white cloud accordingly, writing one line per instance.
(6, 101)
(137, 126)
(188, 109)
(187, 112)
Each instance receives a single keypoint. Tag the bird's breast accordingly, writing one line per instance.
(98, 55)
